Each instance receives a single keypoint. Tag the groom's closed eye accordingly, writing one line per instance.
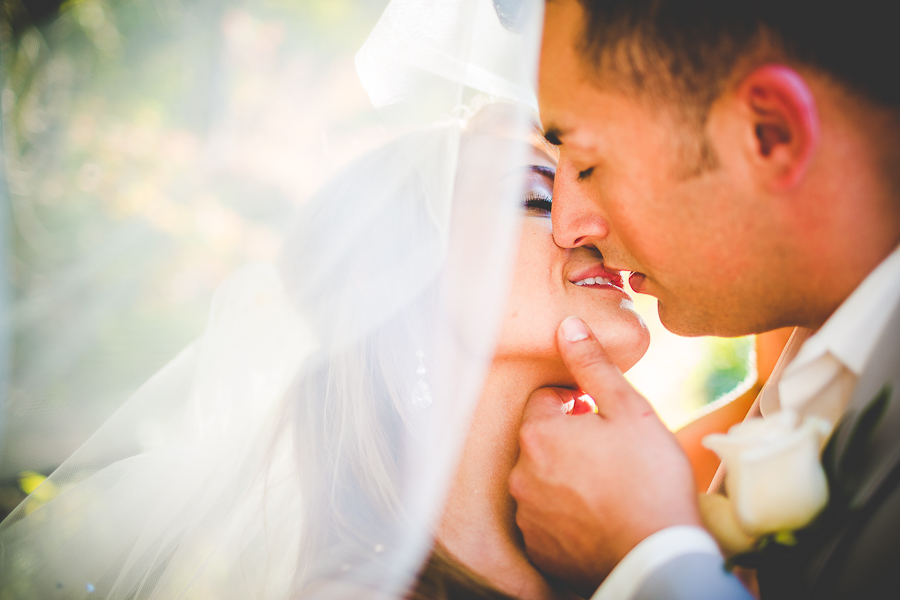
(552, 136)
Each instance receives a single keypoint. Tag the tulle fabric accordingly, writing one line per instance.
(304, 445)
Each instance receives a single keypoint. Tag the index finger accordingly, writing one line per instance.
(595, 373)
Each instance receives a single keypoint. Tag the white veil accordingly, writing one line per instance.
(304, 444)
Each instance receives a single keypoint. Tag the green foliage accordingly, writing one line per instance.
(145, 164)
(727, 365)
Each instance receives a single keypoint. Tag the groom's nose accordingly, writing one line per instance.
(577, 217)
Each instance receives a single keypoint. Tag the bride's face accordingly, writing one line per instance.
(551, 283)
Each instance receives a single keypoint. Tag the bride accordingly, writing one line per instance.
(477, 530)
(548, 284)
(346, 425)
(332, 468)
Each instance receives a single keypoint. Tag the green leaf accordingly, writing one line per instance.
(785, 538)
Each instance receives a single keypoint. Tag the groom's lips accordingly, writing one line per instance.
(636, 281)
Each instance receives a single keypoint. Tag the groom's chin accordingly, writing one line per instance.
(696, 320)
(690, 322)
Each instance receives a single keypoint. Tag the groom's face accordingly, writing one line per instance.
(633, 183)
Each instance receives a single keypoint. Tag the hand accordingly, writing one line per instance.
(589, 488)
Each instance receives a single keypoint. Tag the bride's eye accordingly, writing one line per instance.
(538, 197)
(538, 202)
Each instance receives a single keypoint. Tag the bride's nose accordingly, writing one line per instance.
(577, 217)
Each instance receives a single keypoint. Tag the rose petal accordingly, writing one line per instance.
(720, 519)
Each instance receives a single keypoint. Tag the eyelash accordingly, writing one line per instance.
(539, 202)
(582, 175)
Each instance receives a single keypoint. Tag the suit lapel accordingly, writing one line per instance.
(883, 454)
(883, 368)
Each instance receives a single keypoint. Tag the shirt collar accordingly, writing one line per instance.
(850, 334)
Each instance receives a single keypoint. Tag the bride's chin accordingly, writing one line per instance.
(626, 342)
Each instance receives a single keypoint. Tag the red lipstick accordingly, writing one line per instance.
(598, 277)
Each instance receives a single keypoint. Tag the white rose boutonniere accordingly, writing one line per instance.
(774, 480)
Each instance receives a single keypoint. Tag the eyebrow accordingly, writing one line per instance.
(547, 172)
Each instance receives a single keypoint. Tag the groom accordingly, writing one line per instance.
(742, 158)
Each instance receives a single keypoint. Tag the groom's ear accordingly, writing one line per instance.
(784, 128)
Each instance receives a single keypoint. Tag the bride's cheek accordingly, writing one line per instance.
(525, 328)
(529, 323)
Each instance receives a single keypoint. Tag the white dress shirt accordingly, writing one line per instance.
(818, 381)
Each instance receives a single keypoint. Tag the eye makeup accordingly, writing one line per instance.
(538, 193)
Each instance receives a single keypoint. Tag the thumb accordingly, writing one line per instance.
(595, 372)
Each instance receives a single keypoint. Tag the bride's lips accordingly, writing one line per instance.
(598, 277)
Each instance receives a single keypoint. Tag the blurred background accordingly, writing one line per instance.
(149, 148)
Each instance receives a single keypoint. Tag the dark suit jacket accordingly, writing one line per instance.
(849, 553)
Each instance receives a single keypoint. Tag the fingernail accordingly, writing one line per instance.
(568, 406)
(574, 329)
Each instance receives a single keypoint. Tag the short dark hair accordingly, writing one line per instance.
(694, 45)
